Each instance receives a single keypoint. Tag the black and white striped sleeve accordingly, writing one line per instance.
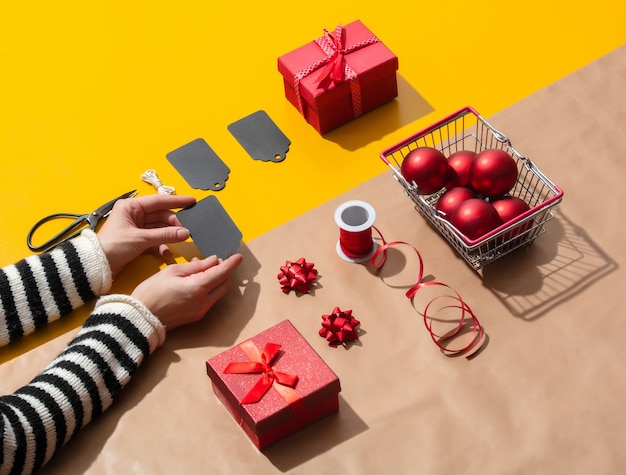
(37, 419)
(80, 383)
(40, 289)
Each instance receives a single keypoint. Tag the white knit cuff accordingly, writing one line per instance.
(95, 261)
(138, 314)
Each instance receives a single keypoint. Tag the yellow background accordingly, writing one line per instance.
(94, 93)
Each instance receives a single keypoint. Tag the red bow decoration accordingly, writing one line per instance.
(339, 327)
(297, 275)
(261, 365)
(334, 69)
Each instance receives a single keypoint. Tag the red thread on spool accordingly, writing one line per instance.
(356, 245)
(355, 219)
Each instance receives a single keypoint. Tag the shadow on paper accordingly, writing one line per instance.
(316, 439)
(560, 264)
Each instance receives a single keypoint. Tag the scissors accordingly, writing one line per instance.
(81, 221)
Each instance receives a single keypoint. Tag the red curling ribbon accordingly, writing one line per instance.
(261, 362)
(467, 317)
(336, 69)
(339, 327)
(477, 330)
(298, 275)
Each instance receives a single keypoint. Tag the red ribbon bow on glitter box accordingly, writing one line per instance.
(274, 384)
(339, 76)
(261, 362)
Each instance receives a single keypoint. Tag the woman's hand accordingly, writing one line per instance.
(181, 294)
(143, 224)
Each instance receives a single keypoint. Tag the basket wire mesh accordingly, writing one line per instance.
(467, 130)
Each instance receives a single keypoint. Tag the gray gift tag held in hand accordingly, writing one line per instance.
(211, 228)
(260, 137)
(199, 165)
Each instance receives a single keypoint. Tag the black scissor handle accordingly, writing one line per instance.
(69, 232)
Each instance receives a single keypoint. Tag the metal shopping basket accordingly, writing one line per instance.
(467, 130)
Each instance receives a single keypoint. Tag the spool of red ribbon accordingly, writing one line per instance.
(355, 219)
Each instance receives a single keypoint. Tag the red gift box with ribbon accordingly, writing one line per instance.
(339, 76)
(274, 384)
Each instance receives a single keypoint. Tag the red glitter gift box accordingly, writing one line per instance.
(339, 76)
(274, 384)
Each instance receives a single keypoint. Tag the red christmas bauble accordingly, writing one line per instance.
(475, 218)
(451, 199)
(427, 167)
(493, 172)
(509, 208)
(459, 163)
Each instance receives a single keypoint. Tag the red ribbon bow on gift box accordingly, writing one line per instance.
(336, 68)
(297, 275)
(262, 363)
(339, 327)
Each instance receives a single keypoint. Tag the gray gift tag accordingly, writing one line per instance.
(199, 165)
(211, 228)
(260, 137)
